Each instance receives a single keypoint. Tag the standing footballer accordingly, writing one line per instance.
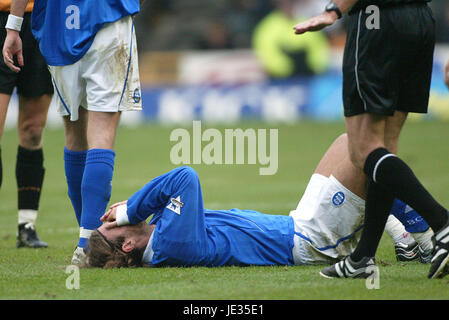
(387, 71)
(35, 90)
(90, 47)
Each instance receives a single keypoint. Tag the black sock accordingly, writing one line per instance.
(391, 172)
(30, 176)
(379, 202)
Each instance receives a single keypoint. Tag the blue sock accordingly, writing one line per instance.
(82, 243)
(411, 220)
(96, 188)
(74, 162)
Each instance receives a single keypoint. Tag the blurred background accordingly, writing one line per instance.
(230, 60)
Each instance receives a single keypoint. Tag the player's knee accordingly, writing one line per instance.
(76, 141)
(189, 172)
(359, 153)
(342, 139)
(187, 175)
(30, 133)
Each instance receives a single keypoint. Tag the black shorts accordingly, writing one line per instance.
(34, 79)
(389, 68)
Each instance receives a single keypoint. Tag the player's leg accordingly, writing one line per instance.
(30, 166)
(342, 169)
(334, 198)
(8, 81)
(4, 102)
(336, 162)
(35, 90)
(98, 170)
(414, 225)
(365, 133)
(405, 221)
(110, 72)
(75, 151)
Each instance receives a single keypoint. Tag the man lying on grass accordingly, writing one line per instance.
(324, 227)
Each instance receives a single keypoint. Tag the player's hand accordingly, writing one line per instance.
(446, 74)
(316, 23)
(110, 225)
(11, 48)
(110, 215)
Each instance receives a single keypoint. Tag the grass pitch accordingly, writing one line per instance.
(143, 153)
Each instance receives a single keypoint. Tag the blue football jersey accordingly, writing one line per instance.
(186, 234)
(65, 29)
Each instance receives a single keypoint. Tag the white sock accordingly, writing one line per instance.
(424, 239)
(85, 233)
(27, 216)
(397, 232)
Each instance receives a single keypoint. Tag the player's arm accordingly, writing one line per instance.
(325, 19)
(177, 203)
(446, 74)
(18, 7)
(13, 44)
(142, 204)
(153, 197)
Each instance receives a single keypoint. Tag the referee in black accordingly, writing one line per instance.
(35, 90)
(387, 71)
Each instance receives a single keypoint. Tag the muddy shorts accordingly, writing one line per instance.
(106, 79)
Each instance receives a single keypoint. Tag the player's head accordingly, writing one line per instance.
(118, 247)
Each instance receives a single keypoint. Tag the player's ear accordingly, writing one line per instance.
(128, 245)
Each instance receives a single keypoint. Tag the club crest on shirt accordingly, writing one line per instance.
(175, 205)
(338, 199)
(136, 95)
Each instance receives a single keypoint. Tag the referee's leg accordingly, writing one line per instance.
(388, 177)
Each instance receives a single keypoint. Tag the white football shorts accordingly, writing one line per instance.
(106, 78)
(328, 222)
